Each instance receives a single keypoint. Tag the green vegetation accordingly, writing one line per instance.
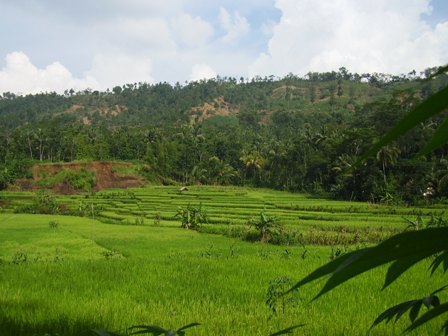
(125, 262)
(191, 217)
(291, 133)
(404, 250)
(269, 227)
(102, 272)
(82, 180)
(227, 210)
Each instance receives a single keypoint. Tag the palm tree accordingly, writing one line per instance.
(253, 163)
(388, 156)
(219, 171)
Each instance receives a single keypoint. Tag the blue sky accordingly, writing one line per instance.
(49, 45)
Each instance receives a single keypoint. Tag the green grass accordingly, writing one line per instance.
(88, 274)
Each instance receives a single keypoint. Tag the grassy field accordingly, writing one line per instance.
(65, 275)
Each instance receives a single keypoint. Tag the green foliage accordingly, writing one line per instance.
(413, 306)
(157, 219)
(403, 250)
(276, 300)
(264, 132)
(192, 216)
(147, 329)
(269, 227)
(430, 107)
(287, 330)
(43, 203)
(6, 177)
(20, 257)
(53, 224)
(82, 180)
(406, 249)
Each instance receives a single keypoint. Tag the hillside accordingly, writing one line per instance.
(291, 133)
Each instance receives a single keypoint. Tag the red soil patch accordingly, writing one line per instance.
(105, 172)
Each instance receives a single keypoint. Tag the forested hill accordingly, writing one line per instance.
(290, 133)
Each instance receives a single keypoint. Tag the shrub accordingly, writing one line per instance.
(20, 257)
(157, 219)
(53, 224)
(43, 203)
(277, 300)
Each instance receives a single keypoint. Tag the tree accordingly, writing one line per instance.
(253, 163)
(388, 156)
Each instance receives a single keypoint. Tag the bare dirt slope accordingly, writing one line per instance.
(107, 175)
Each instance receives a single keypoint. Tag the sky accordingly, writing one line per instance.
(55, 45)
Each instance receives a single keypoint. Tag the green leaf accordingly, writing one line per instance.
(153, 329)
(326, 269)
(428, 316)
(441, 70)
(287, 330)
(414, 311)
(400, 266)
(437, 261)
(188, 326)
(428, 108)
(445, 328)
(439, 138)
(413, 244)
(431, 301)
(396, 311)
(105, 333)
(439, 290)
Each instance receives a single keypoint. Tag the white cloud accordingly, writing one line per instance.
(132, 34)
(235, 25)
(381, 36)
(21, 76)
(201, 71)
(191, 31)
(118, 69)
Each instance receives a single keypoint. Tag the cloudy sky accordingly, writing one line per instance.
(53, 45)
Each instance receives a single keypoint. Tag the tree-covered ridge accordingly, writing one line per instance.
(291, 133)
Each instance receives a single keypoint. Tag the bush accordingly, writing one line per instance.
(43, 203)
(53, 224)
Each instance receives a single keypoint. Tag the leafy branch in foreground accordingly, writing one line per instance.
(148, 329)
(413, 306)
(287, 330)
(433, 105)
(403, 250)
(406, 249)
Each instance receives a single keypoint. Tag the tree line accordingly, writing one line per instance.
(291, 133)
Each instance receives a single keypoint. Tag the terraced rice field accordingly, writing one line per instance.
(308, 220)
(106, 272)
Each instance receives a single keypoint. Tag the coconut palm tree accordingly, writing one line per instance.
(388, 156)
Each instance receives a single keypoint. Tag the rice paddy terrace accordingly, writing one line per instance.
(126, 261)
(307, 219)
